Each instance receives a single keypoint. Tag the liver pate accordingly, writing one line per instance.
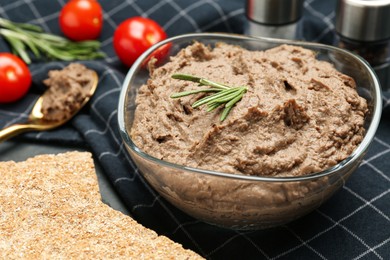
(67, 89)
(299, 115)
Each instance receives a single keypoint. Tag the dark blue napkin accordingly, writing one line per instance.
(353, 224)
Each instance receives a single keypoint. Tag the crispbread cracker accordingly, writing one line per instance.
(51, 208)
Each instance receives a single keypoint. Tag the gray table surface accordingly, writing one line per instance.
(17, 151)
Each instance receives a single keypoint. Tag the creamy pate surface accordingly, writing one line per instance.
(67, 89)
(298, 116)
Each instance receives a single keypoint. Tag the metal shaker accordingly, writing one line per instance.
(363, 27)
(274, 18)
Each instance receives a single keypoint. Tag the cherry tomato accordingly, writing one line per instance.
(159, 54)
(134, 36)
(15, 78)
(81, 20)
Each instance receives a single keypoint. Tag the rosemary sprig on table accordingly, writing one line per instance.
(23, 36)
(223, 95)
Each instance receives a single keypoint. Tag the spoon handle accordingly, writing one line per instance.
(14, 130)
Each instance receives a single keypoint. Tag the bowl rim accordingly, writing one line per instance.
(355, 155)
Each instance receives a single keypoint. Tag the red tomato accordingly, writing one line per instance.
(159, 54)
(81, 20)
(134, 36)
(15, 78)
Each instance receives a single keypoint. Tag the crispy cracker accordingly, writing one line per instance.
(51, 208)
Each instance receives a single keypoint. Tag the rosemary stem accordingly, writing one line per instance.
(213, 84)
(200, 80)
(191, 92)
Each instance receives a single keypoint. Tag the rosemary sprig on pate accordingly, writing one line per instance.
(223, 95)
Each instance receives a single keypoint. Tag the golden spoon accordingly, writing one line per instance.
(36, 122)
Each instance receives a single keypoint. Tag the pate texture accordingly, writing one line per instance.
(299, 115)
(67, 89)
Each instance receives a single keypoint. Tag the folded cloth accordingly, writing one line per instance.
(354, 223)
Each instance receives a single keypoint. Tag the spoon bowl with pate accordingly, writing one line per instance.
(38, 121)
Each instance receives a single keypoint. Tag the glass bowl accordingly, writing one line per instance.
(240, 201)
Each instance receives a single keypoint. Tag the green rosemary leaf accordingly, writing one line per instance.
(186, 77)
(211, 107)
(9, 33)
(228, 97)
(29, 27)
(48, 37)
(18, 49)
(225, 113)
(235, 99)
(87, 44)
(33, 48)
(12, 25)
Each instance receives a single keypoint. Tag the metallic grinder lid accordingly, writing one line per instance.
(274, 12)
(363, 20)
